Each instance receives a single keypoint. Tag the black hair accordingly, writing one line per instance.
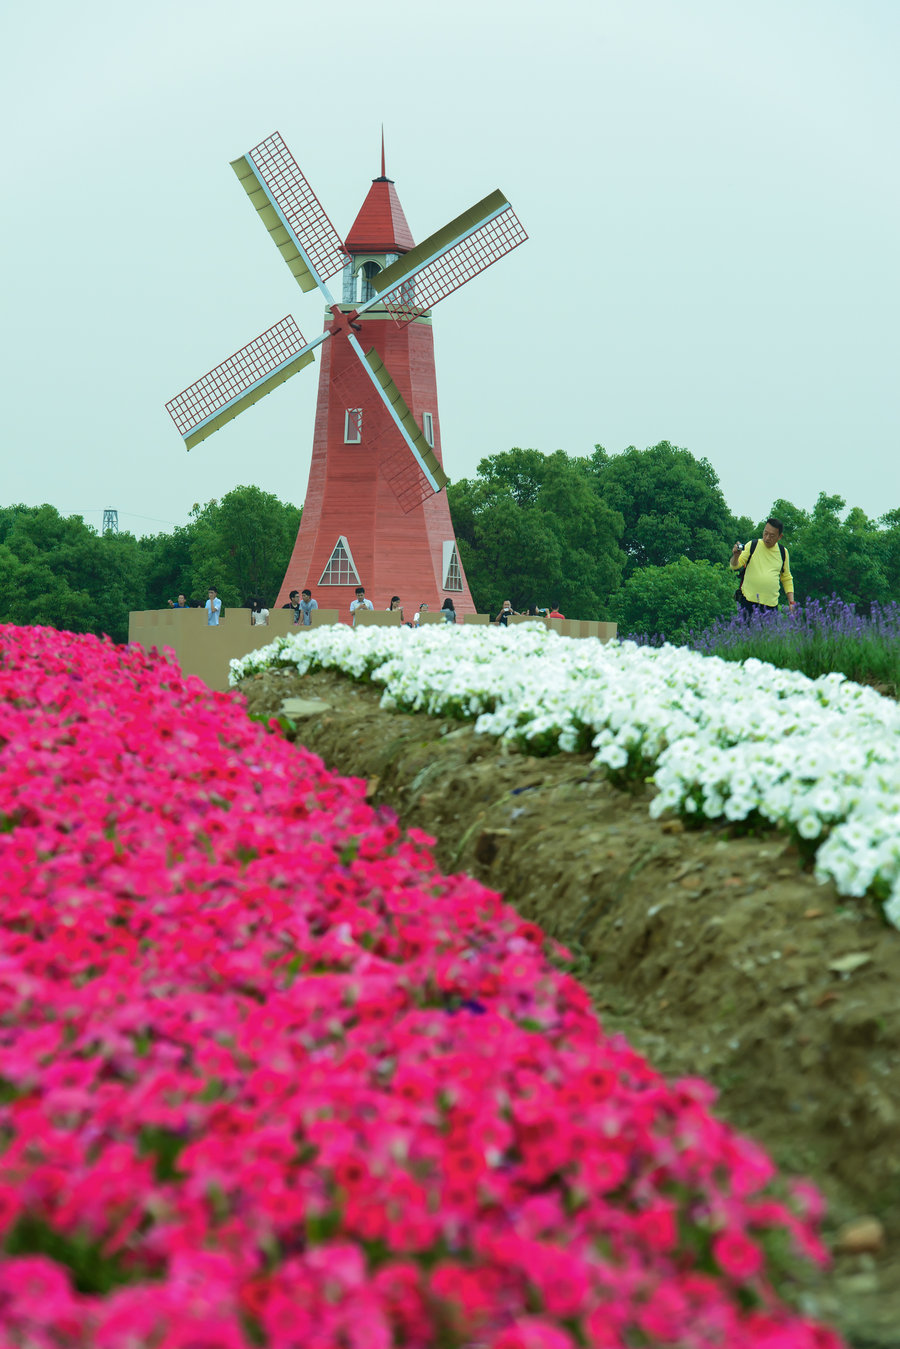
(307, 592)
(776, 524)
(448, 604)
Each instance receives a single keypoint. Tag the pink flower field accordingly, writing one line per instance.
(267, 1078)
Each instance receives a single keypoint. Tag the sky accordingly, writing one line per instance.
(710, 190)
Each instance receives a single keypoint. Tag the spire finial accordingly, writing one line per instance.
(383, 174)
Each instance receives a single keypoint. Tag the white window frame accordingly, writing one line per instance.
(351, 565)
(366, 275)
(450, 551)
(352, 415)
(428, 428)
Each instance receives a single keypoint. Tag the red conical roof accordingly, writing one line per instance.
(381, 225)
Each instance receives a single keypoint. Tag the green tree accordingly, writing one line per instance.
(532, 529)
(890, 552)
(794, 519)
(506, 552)
(34, 594)
(849, 558)
(56, 570)
(675, 600)
(671, 504)
(116, 584)
(168, 567)
(242, 545)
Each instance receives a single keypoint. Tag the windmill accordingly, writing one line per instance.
(374, 511)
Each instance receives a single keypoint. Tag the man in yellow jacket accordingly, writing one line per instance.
(767, 566)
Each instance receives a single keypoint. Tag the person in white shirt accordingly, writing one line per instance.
(360, 602)
(213, 607)
(259, 615)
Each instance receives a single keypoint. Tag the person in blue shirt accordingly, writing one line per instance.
(307, 604)
(213, 607)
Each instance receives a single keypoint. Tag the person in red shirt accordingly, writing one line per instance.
(554, 612)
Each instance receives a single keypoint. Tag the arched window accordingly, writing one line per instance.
(367, 273)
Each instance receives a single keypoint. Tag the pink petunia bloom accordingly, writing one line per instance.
(658, 1226)
(532, 1332)
(737, 1256)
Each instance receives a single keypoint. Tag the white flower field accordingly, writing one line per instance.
(719, 740)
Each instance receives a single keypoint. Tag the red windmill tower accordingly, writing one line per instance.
(374, 513)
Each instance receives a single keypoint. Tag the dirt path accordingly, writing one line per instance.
(713, 955)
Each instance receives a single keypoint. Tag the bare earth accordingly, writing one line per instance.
(713, 955)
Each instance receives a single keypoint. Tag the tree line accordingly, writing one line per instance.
(57, 571)
(642, 538)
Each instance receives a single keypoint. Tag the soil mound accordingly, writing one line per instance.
(714, 955)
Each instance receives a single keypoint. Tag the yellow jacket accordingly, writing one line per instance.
(763, 574)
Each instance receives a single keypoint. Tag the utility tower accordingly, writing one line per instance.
(110, 522)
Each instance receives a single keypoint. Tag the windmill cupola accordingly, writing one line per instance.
(377, 237)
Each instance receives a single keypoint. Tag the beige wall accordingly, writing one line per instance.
(205, 651)
(377, 618)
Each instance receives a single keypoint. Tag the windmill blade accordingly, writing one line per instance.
(291, 212)
(449, 258)
(242, 380)
(403, 419)
(406, 480)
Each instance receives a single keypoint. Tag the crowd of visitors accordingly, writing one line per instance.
(302, 604)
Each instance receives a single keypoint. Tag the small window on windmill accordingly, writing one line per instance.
(367, 274)
(452, 572)
(428, 428)
(341, 569)
(353, 426)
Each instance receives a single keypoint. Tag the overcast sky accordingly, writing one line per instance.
(710, 189)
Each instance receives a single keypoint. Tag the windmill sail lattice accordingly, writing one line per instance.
(239, 381)
(448, 259)
(291, 212)
(393, 396)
